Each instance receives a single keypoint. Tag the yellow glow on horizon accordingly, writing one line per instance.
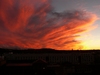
(91, 44)
(86, 46)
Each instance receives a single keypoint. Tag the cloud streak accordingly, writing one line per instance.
(33, 24)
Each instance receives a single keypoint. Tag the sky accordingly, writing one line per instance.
(56, 24)
(91, 38)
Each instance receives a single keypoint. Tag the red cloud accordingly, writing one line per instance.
(32, 24)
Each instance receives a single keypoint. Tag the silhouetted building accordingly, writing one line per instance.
(60, 62)
(74, 58)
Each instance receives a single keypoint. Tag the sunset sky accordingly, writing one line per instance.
(92, 38)
(57, 24)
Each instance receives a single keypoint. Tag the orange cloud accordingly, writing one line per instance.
(32, 24)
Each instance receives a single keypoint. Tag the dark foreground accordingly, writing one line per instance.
(43, 70)
(25, 71)
(49, 62)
